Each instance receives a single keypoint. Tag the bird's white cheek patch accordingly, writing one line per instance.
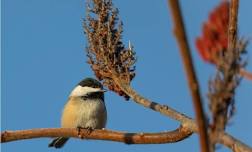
(80, 91)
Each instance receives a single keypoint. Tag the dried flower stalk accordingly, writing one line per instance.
(216, 47)
(106, 52)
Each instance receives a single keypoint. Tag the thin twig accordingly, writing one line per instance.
(128, 138)
(180, 34)
(246, 74)
(163, 109)
(232, 143)
(232, 27)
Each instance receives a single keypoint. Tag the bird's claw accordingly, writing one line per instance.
(87, 131)
(79, 132)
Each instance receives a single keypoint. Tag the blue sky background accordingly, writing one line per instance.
(43, 58)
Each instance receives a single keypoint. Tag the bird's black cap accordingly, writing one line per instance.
(90, 82)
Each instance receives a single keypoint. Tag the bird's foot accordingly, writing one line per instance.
(79, 132)
(87, 131)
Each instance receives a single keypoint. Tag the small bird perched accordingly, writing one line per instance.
(85, 109)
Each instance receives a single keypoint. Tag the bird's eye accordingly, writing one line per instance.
(88, 95)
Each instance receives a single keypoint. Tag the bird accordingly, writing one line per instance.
(85, 108)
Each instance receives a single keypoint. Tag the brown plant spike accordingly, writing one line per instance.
(106, 52)
(214, 47)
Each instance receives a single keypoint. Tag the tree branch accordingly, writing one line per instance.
(180, 34)
(185, 121)
(128, 138)
(163, 109)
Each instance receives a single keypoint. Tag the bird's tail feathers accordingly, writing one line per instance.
(58, 142)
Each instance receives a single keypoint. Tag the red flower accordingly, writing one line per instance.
(215, 33)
